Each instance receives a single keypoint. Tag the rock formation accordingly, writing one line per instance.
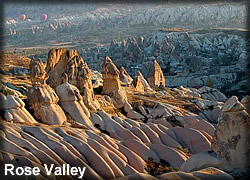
(38, 74)
(134, 135)
(110, 75)
(125, 77)
(232, 136)
(96, 79)
(111, 83)
(143, 80)
(72, 102)
(14, 110)
(62, 61)
(246, 102)
(42, 99)
(155, 76)
(137, 83)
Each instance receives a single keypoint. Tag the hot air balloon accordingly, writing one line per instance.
(43, 17)
(22, 17)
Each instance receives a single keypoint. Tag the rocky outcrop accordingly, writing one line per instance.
(246, 102)
(9, 91)
(43, 101)
(138, 85)
(111, 83)
(62, 61)
(110, 75)
(144, 81)
(199, 161)
(125, 77)
(212, 94)
(14, 110)
(38, 74)
(155, 76)
(72, 102)
(231, 137)
(96, 78)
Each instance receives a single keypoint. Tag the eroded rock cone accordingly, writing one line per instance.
(155, 76)
(232, 136)
(143, 80)
(110, 75)
(111, 83)
(125, 77)
(62, 61)
(137, 82)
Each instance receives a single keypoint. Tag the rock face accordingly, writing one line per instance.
(155, 76)
(125, 77)
(232, 135)
(38, 74)
(72, 102)
(62, 61)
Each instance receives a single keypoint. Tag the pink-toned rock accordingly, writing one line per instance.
(194, 140)
(170, 155)
(38, 75)
(141, 149)
(207, 173)
(139, 133)
(199, 161)
(144, 81)
(138, 85)
(165, 138)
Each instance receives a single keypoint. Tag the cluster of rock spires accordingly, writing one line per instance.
(120, 145)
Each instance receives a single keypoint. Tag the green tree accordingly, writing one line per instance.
(210, 83)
